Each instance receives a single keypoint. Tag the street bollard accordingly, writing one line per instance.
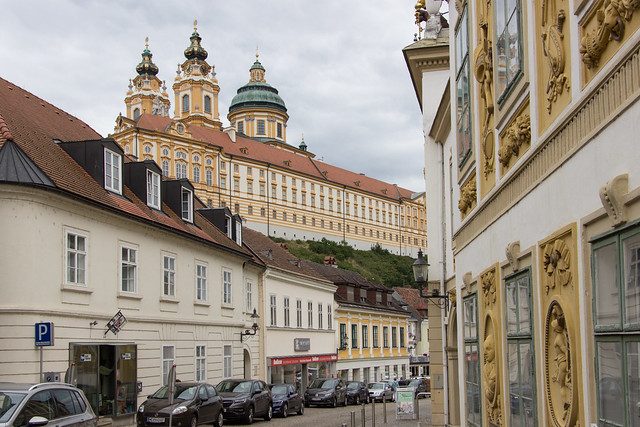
(344, 424)
(373, 413)
(353, 418)
(384, 408)
(363, 415)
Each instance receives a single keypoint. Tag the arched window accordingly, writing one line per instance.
(136, 113)
(165, 167)
(207, 104)
(196, 174)
(209, 176)
(185, 103)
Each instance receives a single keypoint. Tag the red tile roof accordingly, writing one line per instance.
(412, 297)
(36, 126)
(280, 158)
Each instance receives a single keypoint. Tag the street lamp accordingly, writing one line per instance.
(421, 274)
(254, 327)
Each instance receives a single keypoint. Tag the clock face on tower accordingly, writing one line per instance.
(139, 84)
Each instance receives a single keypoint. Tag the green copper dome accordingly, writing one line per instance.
(257, 93)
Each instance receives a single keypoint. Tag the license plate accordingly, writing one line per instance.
(155, 420)
(315, 399)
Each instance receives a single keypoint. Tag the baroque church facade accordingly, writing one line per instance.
(249, 167)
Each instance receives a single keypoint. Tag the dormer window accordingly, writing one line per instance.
(187, 205)
(238, 231)
(153, 189)
(227, 226)
(112, 171)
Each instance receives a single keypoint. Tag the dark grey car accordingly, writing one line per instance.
(357, 392)
(245, 399)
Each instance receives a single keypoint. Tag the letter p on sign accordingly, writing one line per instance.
(44, 334)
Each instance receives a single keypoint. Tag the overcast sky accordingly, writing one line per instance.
(337, 64)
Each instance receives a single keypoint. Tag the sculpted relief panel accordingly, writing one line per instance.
(554, 67)
(515, 139)
(491, 348)
(560, 302)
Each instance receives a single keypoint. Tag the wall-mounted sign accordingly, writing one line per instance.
(301, 344)
(276, 361)
(85, 357)
(116, 323)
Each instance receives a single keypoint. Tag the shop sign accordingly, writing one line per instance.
(305, 359)
(116, 323)
(126, 356)
(302, 344)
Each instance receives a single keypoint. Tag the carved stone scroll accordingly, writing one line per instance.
(512, 251)
(612, 194)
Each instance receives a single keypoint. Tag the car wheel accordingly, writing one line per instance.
(301, 410)
(269, 414)
(285, 409)
(194, 421)
(249, 417)
(345, 401)
(357, 399)
(219, 421)
(335, 402)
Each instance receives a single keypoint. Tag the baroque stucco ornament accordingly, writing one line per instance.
(553, 49)
(557, 263)
(611, 17)
(612, 198)
(491, 373)
(558, 366)
(483, 66)
(517, 134)
(489, 287)
(468, 195)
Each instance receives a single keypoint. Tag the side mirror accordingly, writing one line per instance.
(38, 421)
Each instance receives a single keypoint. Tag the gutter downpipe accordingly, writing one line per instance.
(445, 361)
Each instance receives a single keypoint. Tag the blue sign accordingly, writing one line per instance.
(44, 334)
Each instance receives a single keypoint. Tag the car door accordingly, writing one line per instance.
(206, 407)
(261, 397)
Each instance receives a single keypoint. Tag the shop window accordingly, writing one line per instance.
(106, 374)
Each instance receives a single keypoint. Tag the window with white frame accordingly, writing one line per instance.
(329, 318)
(260, 129)
(128, 269)
(385, 336)
(169, 276)
(76, 258)
(509, 50)
(201, 363)
(168, 359)
(196, 174)
(365, 336)
(394, 337)
(187, 205)
(273, 303)
(309, 314)
(299, 313)
(319, 315)
(376, 341)
(112, 169)
(165, 167)
(402, 340)
(227, 359)
(286, 311)
(249, 296)
(226, 287)
(354, 335)
(201, 282)
(223, 183)
(153, 189)
(209, 177)
(181, 170)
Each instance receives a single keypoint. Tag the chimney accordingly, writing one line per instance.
(231, 131)
(331, 261)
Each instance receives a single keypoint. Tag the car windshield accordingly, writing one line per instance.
(234, 386)
(279, 389)
(184, 392)
(353, 386)
(323, 383)
(8, 403)
(415, 382)
(376, 386)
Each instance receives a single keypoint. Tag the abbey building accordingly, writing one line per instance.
(279, 189)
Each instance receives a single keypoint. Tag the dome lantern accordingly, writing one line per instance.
(195, 50)
(147, 67)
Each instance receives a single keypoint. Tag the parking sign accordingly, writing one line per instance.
(44, 334)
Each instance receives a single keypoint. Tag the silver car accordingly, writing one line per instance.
(39, 404)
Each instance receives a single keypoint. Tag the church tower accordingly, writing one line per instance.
(257, 110)
(147, 94)
(196, 87)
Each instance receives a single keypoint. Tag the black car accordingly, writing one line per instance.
(357, 392)
(326, 391)
(194, 404)
(421, 387)
(286, 400)
(245, 399)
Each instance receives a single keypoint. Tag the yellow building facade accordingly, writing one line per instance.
(279, 189)
(539, 194)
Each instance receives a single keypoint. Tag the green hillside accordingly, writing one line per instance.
(376, 265)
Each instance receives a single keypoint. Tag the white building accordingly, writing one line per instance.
(92, 240)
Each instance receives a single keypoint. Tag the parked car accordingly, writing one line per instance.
(40, 404)
(394, 385)
(326, 391)
(421, 387)
(357, 392)
(286, 400)
(245, 399)
(194, 404)
(380, 390)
